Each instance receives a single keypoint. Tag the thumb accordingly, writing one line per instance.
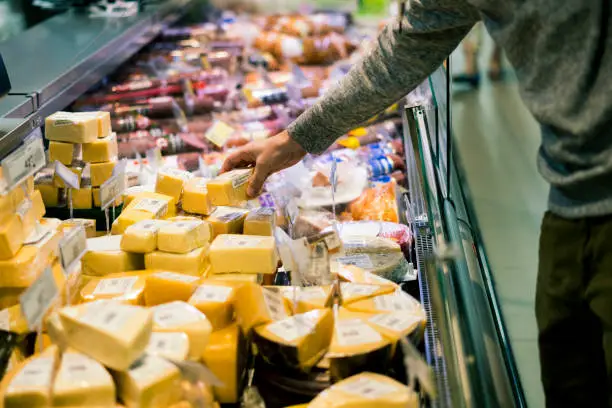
(238, 158)
(257, 180)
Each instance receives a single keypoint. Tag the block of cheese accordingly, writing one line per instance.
(229, 188)
(396, 301)
(182, 237)
(171, 345)
(352, 273)
(29, 384)
(82, 198)
(256, 305)
(243, 254)
(104, 256)
(135, 191)
(367, 390)
(101, 150)
(297, 342)
(113, 333)
(49, 193)
(165, 287)
(237, 277)
(126, 289)
(195, 197)
(216, 300)
(68, 127)
(356, 346)
(82, 381)
(101, 172)
(182, 317)
(88, 224)
(12, 320)
(95, 192)
(103, 120)
(142, 236)
(305, 299)
(150, 382)
(153, 205)
(353, 292)
(227, 220)
(11, 237)
(227, 356)
(76, 169)
(260, 222)
(63, 152)
(192, 263)
(170, 182)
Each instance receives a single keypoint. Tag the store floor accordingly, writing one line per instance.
(497, 140)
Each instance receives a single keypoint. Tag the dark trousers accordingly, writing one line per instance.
(574, 311)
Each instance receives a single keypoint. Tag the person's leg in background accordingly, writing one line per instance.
(471, 47)
(570, 334)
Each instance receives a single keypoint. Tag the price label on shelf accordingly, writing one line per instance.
(72, 247)
(111, 189)
(38, 298)
(25, 161)
(68, 176)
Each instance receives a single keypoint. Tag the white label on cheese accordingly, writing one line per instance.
(397, 321)
(72, 247)
(292, 328)
(359, 260)
(152, 205)
(175, 314)
(395, 302)
(181, 174)
(107, 316)
(352, 332)
(167, 343)
(357, 289)
(367, 388)
(150, 368)
(38, 298)
(148, 226)
(177, 277)
(35, 374)
(274, 303)
(243, 241)
(187, 226)
(115, 286)
(78, 368)
(5, 320)
(238, 177)
(227, 213)
(212, 293)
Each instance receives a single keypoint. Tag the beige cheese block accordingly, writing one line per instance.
(151, 382)
(170, 182)
(89, 225)
(142, 236)
(243, 254)
(104, 256)
(101, 150)
(182, 237)
(229, 188)
(50, 194)
(260, 222)
(128, 289)
(112, 333)
(164, 287)
(103, 120)
(68, 127)
(195, 197)
(83, 382)
(256, 305)
(194, 263)
(182, 317)
(227, 220)
(169, 345)
(216, 300)
(11, 237)
(145, 206)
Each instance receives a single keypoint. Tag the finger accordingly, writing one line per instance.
(257, 180)
(239, 158)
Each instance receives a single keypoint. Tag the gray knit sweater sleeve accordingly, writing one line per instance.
(400, 60)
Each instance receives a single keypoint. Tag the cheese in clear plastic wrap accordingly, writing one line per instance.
(142, 236)
(183, 236)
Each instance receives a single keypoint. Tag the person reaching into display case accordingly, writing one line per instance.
(562, 53)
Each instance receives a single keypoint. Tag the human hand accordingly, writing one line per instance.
(268, 156)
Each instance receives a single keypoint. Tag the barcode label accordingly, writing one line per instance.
(211, 293)
(115, 286)
(24, 161)
(352, 332)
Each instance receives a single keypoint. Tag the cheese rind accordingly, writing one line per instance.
(193, 263)
(112, 333)
(229, 188)
(142, 236)
(216, 300)
(260, 222)
(30, 383)
(164, 287)
(243, 254)
(195, 197)
(182, 317)
(182, 237)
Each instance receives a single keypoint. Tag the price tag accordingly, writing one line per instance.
(120, 167)
(219, 132)
(72, 247)
(111, 189)
(24, 161)
(38, 298)
(68, 176)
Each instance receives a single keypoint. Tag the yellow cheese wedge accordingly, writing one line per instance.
(237, 277)
(82, 198)
(88, 224)
(366, 390)
(165, 287)
(82, 381)
(142, 236)
(192, 263)
(102, 150)
(195, 197)
(305, 299)
(182, 317)
(172, 346)
(29, 385)
(68, 127)
(260, 222)
(77, 169)
(182, 237)
(12, 320)
(150, 382)
(125, 289)
(296, 342)
(103, 120)
(63, 152)
(216, 300)
(353, 292)
(112, 333)
(227, 355)
(104, 256)
(101, 172)
(227, 220)
(170, 182)
(397, 301)
(243, 254)
(229, 188)
(256, 305)
(351, 273)
(11, 237)
(50, 194)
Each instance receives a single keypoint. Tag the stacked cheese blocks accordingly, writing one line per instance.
(84, 142)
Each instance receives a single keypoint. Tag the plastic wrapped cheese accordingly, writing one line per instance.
(101, 150)
(227, 220)
(172, 346)
(256, 305)
(123, 287)
(192, 263)
(142, 236)
(216, 300)
(68, 127)
(229, 188)
(260, 222)
(101, 172)
(163, 287)
(195, 197)
(183, 236)
(243, 254)
(104, 256)
(170, 182)
(63, 152)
